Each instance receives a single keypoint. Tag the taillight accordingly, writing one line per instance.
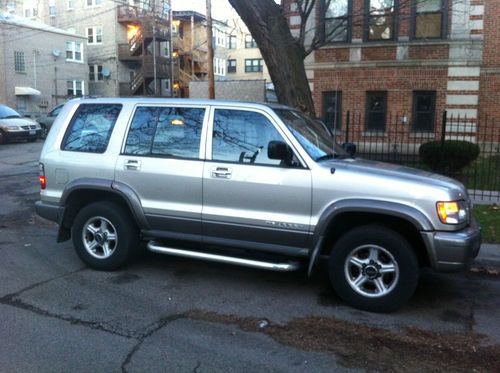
(41, 177)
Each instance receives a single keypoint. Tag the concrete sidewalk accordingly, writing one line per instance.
(489, 254)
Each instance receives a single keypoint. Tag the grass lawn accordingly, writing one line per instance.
(489, 219)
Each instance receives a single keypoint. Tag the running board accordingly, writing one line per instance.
(279, 267)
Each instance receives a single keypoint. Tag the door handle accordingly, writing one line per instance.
(222, 173)
(132, 165)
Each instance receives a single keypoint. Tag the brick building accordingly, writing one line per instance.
(404, 62)
(36, 70)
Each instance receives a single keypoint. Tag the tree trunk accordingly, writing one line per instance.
(284, 56)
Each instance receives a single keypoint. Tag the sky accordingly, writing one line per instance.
(221, 9)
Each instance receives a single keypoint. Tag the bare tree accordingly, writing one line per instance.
(284, 53)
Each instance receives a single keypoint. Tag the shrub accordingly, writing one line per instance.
(448, 157)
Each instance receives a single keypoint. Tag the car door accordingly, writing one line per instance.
(250, 200)
(162, 161)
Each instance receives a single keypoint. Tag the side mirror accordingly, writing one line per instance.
(279, 150)
(350, 148)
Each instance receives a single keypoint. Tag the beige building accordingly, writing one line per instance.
(127, 44)
(236, 56)
(244, 61)
(40, 66)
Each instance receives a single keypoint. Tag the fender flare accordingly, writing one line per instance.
(394, 209)
(118, 188)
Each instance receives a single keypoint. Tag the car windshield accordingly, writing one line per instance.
(6, 113)
(312, 135)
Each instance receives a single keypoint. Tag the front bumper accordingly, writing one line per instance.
(22, 135)
(453, 251)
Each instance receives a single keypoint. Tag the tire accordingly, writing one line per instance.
(3, 138)
(91, 234)
(45, 132)
(373, 268)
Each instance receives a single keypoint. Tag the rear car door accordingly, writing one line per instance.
(250, 200)
(162, 161)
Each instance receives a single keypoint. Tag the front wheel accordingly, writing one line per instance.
(104, 235)
(373, 268)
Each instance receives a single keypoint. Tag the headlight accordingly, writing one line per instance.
(13, 128)
(452, 212)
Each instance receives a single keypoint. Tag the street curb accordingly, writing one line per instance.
(489, 253)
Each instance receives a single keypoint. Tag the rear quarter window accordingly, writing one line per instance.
(91, 127)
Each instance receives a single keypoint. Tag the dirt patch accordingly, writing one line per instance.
(375, 349)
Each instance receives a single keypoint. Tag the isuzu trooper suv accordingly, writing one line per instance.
(254, 185)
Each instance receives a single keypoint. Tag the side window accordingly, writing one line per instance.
(165, 131)
(243, 137)
(91, 128)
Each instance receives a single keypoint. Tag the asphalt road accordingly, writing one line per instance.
(170, 314)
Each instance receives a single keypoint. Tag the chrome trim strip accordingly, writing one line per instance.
(279, 267)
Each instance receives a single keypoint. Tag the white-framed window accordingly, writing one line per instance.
(95, 73)
(75, 87)
(219, 37)
(30, 12)
(94, 35)
(74, 51)
(165, 49)
(11, 7)
(70, 5)
(52, 8)
(91, 3)
(219, 66)
(19, 64)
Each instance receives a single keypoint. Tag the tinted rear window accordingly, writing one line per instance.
(91, 128)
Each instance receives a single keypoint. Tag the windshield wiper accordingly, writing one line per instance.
(11, 117)
(327, 156)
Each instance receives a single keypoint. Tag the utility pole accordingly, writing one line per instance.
(154, 48)
(211, 84)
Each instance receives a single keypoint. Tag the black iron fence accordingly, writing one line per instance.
(398, 141)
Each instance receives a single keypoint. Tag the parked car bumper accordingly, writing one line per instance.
(453, 251)
(22, 135)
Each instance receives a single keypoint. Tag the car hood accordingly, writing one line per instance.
(14, 122)
(397, 173)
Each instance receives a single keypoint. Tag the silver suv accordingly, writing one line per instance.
(248, 184)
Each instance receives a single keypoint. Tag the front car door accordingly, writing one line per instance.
(249, 200)
(162, 161)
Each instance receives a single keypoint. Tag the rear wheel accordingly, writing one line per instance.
(373, 268)
(104, 235)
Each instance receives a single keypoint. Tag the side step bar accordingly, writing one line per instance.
(280, 267)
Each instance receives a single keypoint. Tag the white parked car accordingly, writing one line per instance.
(14, 127)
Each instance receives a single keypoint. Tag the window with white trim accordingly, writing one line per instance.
(94, 35)
(76, 88)
(219, 66)
(52, 8)
(70, 4)
(165, 49)
(93, 3)
(95, 73)
(74, 51)
(19, 65)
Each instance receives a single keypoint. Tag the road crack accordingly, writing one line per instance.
(14, 301)
(153, 329)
